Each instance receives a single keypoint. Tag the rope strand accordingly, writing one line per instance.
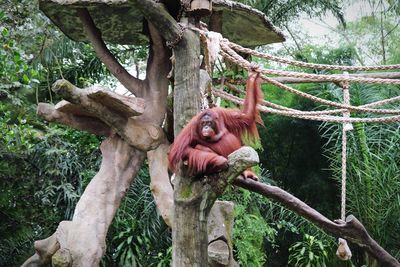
(238, 100)
(248, 51)
(233, 56)
(322, 112)
(314, 98)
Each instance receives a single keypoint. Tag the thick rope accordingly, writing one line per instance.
(241, 49)
(299, 115)
(343, 246)
(308, 96)
(233, 56)
(345, 127)
(323, 112)
(328, 102)
(344, 174)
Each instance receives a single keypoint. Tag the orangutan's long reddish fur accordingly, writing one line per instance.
(204, 156)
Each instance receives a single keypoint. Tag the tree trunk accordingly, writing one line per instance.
(190, 219)
(189, 231)
(194, 197)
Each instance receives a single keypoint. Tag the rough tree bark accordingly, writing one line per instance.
(193, 199)
(220, 220)
(191, 202)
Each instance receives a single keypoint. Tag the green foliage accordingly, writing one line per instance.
(249, 233)
(282, 11)
(250, 230)
(62, 159)
(16, 76)
(43, 169)
(375, 37)
(342, 55)
(373, 179)
(294, 158)
(264, 230)
(310, 252)
(17, 185)
(40, 179)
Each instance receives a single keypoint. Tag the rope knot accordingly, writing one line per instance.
(254, 67)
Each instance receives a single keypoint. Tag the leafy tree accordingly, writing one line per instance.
(282, 11)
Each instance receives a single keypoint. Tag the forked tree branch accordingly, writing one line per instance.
(351, 229)
(134, 85)
(159, 63)
(158, 67)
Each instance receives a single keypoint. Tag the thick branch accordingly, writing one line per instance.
(220, 221)
(86, 123)
(156, 12)
(160, 184)
(238, 161)
(351, 230)
(187, 97)
(115, 111)
(158, 64)
(124, 105)
(44, 250)
(97, 100)
(131, 83)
